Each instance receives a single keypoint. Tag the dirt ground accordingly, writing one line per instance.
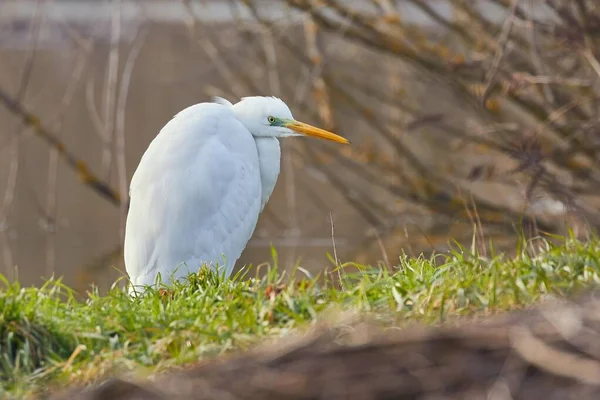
(549, 352)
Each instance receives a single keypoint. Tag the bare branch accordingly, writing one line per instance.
(120, 124)
(85, 174)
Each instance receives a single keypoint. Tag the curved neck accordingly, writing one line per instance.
(269, 155)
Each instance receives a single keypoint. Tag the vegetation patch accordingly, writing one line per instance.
(50, 337)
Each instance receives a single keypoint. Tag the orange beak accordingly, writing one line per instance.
(310, 130)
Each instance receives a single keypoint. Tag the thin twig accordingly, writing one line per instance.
(110, 92)
(120, 125)
(50, 212)
(500, 52)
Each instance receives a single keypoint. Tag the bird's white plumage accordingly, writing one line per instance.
(195, 196)
(200, 186)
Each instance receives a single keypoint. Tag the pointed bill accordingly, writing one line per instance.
(310, 130)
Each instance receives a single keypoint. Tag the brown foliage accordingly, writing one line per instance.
(523, 78)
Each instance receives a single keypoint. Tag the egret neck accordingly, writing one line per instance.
(269, 155)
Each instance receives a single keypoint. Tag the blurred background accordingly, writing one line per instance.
(470, 122)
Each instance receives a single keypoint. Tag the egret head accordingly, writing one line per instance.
(271, 117)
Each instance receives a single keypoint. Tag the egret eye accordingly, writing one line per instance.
(271, 119)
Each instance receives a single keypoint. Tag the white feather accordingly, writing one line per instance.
(222, 101)
(197, 193)
(195, 196)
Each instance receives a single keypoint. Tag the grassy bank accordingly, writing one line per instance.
(49, 337)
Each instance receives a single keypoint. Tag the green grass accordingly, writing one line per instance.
(48, 336)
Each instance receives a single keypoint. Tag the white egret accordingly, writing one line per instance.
(200, 186)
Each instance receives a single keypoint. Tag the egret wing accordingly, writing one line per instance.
(195, 196)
